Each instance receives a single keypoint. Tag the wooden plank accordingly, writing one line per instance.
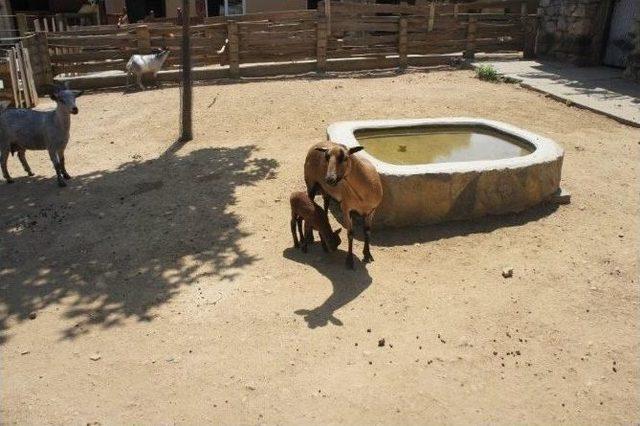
(13, 73)
(23, 79)
(92, 56)
(30, 83)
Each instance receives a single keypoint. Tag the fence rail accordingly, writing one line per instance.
(338, 30)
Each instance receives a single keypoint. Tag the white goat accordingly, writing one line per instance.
(139, 65)
(25, 129)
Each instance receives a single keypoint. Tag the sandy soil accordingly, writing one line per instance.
(166, 290)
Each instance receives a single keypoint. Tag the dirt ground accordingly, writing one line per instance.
(166, 290)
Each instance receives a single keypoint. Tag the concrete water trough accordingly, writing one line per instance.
(440, 169)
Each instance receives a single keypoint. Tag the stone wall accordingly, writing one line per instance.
(573, 30)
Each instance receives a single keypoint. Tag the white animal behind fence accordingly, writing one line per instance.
(140, 65)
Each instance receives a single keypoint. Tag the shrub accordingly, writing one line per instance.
(487, 73)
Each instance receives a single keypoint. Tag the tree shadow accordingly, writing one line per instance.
(607, 83)
(347, 284)
(116, 244)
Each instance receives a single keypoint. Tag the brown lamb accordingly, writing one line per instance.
(308, 216)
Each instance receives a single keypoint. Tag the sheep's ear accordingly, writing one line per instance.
(322, 149)
(77, 93)
(355, 149)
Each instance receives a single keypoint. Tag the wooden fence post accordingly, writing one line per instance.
(470, 51)
(143, 37)
(530, 34)
(327, 14)
(23, 26)
(321, 45)
(432, 16)
(234, 49)
(402, 42)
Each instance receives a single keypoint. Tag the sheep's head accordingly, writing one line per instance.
(66, 98)
(339, 162)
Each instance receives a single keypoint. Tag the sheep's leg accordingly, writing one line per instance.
(367, 234)
(296, 244)
(62, 166)
(348, 224)
(324, 245)
(55, 159)
(4, 156)
(326, 200)
(23, 159)
(304, 237)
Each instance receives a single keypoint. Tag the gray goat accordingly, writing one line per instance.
(25, 129)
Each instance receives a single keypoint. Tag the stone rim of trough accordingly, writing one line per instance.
(546, 150)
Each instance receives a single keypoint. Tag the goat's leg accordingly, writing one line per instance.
(296, 244)
(55, 159)
(367, 234)
(139, 78)
(23, 159)
(348, 224)
(4, 156)
(62, 166)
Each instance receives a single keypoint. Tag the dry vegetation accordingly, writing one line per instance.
(165, 288)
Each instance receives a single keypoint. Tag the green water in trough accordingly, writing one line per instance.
(440, 144)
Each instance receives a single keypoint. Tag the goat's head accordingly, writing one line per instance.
(66, 98)
(339, 162)
(162, 53)
(334, 240)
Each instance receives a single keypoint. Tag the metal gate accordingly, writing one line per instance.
(621, 33)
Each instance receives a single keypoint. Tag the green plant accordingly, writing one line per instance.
(487, 73)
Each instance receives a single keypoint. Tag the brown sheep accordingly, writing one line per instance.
(305, 210)
(335, 172)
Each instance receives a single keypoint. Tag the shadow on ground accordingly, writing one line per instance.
(347, 284)
(116, 244)
(425, 234)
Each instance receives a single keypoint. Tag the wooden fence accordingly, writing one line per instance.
(16, 74)
(390, 34)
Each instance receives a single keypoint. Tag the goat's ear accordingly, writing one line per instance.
(77, 93)
(322, 149)
(355, 149)
(54, 96)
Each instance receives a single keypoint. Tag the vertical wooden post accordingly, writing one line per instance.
(42, 45)
(23, 26)
(523, 10)
(36, 24)
(470, 51)
(13, 75)
(234, 49)
(402, 42)
(456, 7)
(327, 14)
(321, 45)
(186, 101)
(432, 16)
(143, 37)
(530, 34)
